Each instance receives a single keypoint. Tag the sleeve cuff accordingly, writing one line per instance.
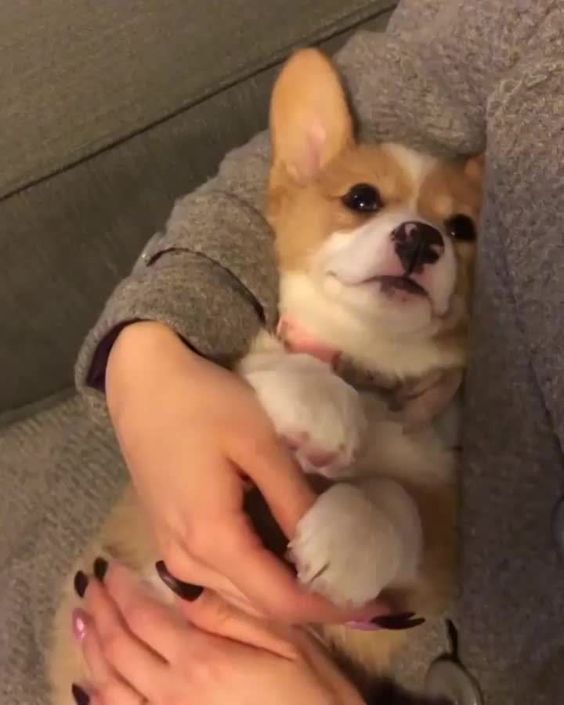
(196, 297)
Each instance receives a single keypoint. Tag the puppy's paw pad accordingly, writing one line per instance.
(320, 414)
(317, 459)
(344, 548)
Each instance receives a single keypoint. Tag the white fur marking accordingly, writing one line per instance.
(415, 164)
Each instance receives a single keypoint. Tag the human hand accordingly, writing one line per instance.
(139, 650)
(193, 435)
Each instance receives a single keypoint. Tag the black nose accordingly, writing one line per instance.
(417, 244)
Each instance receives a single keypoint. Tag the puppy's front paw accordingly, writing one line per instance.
(317, 412)
(345, 548)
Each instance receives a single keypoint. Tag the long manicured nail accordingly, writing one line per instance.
(363, 626)
(79, 695)
(404, 620)
(80, 583)
(186, 591)
(79, 624)
(100, 568)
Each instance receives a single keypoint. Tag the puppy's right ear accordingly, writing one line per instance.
(310, 120)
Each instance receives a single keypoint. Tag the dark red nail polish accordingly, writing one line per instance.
(80, 583)
(186, 591)
(100, 568)
(404, 620)
(79, 695)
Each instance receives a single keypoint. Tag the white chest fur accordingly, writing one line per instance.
(364, 534)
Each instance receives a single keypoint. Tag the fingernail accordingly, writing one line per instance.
(186, 591)
(79, 695)
(80, 583)
(100, 568)
(79, 624)
(363, 626)
(376, 622)
(404, 620)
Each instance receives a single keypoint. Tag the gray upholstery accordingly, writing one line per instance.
(109, 111)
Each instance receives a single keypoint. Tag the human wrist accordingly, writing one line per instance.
(139, 353)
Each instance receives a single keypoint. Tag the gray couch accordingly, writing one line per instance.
(109, 111)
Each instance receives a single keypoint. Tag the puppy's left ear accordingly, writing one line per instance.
(310, 119)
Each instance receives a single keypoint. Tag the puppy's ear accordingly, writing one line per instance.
(310, 120)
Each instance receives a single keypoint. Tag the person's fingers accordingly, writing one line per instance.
(99, 670)
(195, 571)
(107, 686)
(212, 614)
(266, 581)
(270, 465)
(326, 669)
(115, 693)
(134, 661)
(163, 629)
(95, 699)
(104, 685)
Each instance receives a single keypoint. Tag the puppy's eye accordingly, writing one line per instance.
(461, 227)
(363, 198)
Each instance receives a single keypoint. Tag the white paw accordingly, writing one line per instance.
(314, 410)
(345, 548)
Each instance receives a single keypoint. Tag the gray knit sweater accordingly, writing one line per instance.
(450, 76)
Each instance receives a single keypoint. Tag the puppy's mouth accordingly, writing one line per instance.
(390, 284)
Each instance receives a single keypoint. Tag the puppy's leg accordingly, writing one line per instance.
(319, 414)
(356, 541)
(429, 593)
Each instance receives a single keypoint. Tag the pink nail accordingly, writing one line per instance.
(79, 621)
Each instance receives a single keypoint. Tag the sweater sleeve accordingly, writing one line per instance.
(211, 275)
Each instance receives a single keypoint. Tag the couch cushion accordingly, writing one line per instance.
(79, 76)
(61, 471)
(67, 239)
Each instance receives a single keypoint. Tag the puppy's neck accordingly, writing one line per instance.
(331, 329)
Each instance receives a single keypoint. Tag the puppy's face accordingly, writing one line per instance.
(381, 234)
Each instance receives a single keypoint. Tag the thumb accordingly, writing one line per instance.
(280, 481)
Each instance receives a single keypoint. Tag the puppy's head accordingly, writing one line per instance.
(373, 241)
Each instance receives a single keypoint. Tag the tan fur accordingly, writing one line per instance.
(304, 216)
(316, 161)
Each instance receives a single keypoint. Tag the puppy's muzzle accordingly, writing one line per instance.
(417, 244)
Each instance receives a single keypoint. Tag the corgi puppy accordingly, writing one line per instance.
(376, 247)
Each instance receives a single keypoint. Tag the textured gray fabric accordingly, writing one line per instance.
(67, 241)
(450, 75)
(53, 496)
